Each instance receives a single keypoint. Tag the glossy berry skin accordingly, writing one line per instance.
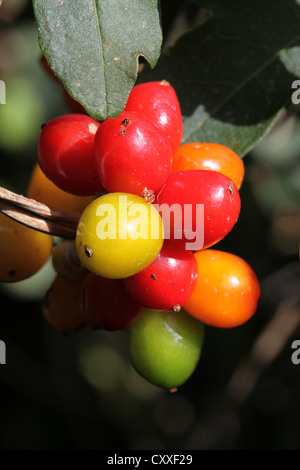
(168, 282)
(165, 347)
(187, 191)
(227, 290)
(42, 189)
(106, 304)
(61, 306)
(65, 154)
(131, 155)
(158, 102)
(209, 156)
(118, 235)
(23, 250)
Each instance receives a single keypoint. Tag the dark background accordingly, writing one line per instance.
(79, 391)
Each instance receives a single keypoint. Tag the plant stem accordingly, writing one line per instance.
(37, 215)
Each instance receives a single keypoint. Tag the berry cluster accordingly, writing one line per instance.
(151, 209)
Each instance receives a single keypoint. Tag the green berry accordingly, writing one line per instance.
(165, 346)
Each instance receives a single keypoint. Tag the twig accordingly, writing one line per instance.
(219, 426)
(37, 215)
(266, 348)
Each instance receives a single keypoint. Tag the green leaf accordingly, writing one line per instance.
(233, 74)
(93, 47)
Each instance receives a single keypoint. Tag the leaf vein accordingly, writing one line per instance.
(252, 76)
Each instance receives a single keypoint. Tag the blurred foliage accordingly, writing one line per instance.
(79, 391)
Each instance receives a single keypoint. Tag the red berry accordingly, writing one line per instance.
(131, 155)
(106, 303)
(158, 102)
(204, 206)
(65, 154)
(168, 282)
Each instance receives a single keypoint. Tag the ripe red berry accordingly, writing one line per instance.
(106, 304)
(158, 102)
(41, 189)
(65, 154)
(168, 282)
(200, 207)
(131, 154)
